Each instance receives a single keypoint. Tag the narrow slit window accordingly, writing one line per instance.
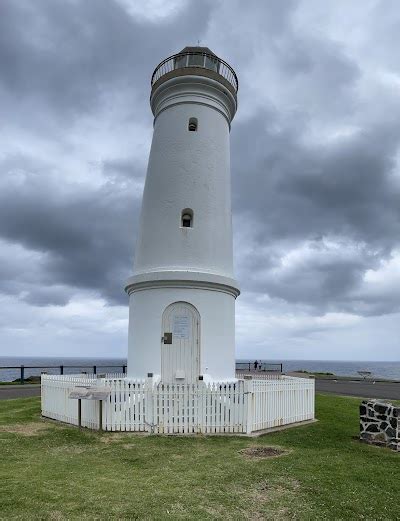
(187, 218)
(192, 127)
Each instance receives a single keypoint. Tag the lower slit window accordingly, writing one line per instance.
(187, 218)
(192, 126)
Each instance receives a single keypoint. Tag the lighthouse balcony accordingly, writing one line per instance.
(199, 61)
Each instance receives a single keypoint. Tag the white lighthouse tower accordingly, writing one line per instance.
(182, 292)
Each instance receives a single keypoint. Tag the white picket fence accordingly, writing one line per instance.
(57, 405)
(259, 375)
(243, 406)
(282, 401)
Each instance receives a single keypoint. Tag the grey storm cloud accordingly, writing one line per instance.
(296, 192)
(68, 55)
(315, 149)
(63, 58)
(82, 234)
(293, 190)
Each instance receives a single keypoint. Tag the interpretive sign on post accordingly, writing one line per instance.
(90, 393)
(85, 392)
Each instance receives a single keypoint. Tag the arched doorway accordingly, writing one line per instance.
(180, 344)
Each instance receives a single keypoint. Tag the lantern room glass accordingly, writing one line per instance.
(196, 60)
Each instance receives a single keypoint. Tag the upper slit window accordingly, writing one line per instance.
(192, 126)
(187, 218)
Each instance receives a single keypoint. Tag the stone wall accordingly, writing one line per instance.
(380, 423)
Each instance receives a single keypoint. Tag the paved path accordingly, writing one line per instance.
(366, 389)
(19, 391)
(386, 390)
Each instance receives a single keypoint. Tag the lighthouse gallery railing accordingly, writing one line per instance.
(196, 59)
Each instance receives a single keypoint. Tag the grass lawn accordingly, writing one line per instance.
(52, 471)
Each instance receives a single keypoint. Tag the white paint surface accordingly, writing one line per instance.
(180, 360)
(217, 333)
(186, 170)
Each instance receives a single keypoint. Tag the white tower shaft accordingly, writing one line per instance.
(182, 292)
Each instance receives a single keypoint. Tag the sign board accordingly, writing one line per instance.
(90, 393)
(181, 326)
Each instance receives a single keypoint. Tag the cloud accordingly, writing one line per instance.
(63, 60)
(315, 166)
(71, 192)
(314, 215)
(85, 234)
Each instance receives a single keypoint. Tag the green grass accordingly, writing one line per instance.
(50, 471)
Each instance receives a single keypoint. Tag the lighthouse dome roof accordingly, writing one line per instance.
(197, 48)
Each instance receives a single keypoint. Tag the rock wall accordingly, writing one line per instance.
(380, 423)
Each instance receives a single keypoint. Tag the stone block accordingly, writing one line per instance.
(380, 423)
(390, 433)
(372, 427)
(381, 408)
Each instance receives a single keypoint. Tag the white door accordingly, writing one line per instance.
(180, 343)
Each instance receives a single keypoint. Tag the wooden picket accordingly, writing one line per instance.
(125, 408)
(241, 406)
(281, 402)
(57, 405)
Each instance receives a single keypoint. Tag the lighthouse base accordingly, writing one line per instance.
(182, 334)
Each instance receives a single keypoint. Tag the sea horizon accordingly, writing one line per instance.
(278, 360)
(389, 369)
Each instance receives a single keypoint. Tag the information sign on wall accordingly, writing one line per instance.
(181, 326)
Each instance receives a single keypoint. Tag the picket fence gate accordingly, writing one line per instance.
(243, 406)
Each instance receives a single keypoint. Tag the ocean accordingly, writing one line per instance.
(104, 365)
(389, 370)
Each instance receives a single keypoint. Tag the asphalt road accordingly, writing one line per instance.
(19, 391)
(365, 389)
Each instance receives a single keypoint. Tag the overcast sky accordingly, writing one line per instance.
(315, 169)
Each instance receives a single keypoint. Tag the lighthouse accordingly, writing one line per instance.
(182, 291)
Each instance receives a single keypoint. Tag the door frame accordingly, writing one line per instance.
(197, 350)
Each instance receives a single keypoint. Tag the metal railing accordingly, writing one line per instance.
(202, 60)
(92, 368)
(259, 367)
(240, 366)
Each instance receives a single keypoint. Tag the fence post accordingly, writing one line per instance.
(100, 415)
(248, 391)
(149, 409)
(79, 413)
(22, 375)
